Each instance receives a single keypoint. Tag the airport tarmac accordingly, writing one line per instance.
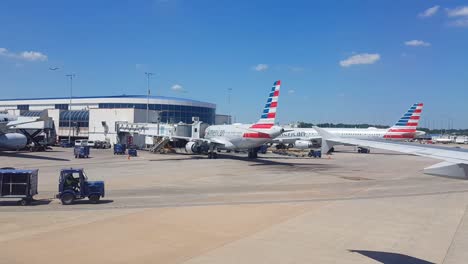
(349, 208)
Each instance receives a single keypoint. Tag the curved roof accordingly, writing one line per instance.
(74, 115)
(164, 99)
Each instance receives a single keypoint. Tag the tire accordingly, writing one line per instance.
(67, 199)
(215, 155)
(94, 198)
(24, 202)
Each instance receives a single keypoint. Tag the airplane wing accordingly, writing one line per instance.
(455, 162)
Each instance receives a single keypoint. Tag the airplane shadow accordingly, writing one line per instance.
(261, 161)
(14, 202)
(183, 158)
(391, 258)
(28, 156)
(269, 161)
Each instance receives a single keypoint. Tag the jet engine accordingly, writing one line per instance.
(13, 141)
(303, 144)
(192, 147)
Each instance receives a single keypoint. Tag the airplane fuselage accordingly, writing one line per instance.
(13, 141)
(242, 136)
(366, 133)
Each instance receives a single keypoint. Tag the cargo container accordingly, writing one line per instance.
(18, 184)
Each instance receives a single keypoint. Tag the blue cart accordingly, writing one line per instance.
(81, 152)
(74, 185)
(18, 184)
(315, 153)
(119, 149)
(132, 152)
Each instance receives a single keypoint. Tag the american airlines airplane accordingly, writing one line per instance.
(240, 136)
(454, 165)
(404, 128)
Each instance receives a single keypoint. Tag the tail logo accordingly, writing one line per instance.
(267, 119)
(406, 125)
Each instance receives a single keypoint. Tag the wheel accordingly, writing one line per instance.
(215, 155)
(67, 199)
(210, 155)
(24, 202)
(94, 198)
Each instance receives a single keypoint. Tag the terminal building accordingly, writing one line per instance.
(94, 117)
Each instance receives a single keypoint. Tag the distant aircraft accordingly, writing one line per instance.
(53, 68)
(240, 136)
(455, 162)
(404, 128)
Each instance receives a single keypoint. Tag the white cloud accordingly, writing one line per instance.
(458, 12)
(462, 22)
(363, 58)
(430, 11)
(24, 55)
(260, 67)
(33, 56)
(417, 43)
(291, 91)
(177, 88)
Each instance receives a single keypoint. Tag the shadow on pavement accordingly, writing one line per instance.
(28, 156)
(15, 202)
(391, 258)
(86, 201)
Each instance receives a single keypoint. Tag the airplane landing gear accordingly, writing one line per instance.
(253, 154)
(212, 155)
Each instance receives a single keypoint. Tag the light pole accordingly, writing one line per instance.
(71, 76)
(148, 75)
(229, 106)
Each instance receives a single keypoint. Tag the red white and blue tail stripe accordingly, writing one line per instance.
(407, 124)
(267, 119)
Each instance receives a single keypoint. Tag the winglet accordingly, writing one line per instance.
(327, 139)
(448, 169)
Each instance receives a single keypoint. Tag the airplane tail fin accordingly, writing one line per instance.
(406, 126)
(268, 117)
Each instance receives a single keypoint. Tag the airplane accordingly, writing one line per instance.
(240, 137)
(10, 141)
(13, 140)
(454, 165)
(404, 128)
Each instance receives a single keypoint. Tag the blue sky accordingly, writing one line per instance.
(339, 61)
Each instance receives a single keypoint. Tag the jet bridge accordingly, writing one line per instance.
(158, 135)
